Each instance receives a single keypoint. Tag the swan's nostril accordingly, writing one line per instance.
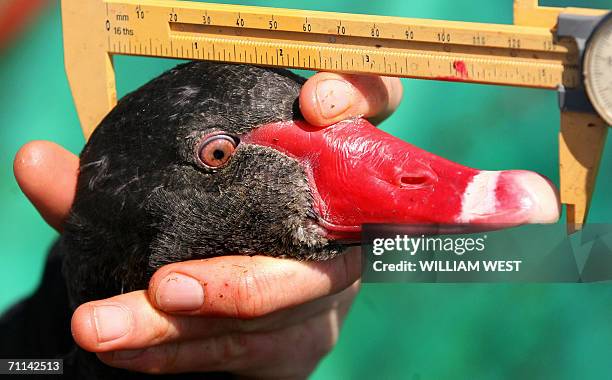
(414, 180)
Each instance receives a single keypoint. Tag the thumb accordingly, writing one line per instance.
(47, 175)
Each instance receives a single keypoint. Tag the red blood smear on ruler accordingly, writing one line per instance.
(460, 69)
(449, 79)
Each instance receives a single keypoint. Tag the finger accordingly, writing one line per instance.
(285, 352)
(327, 98)
(47, 175)
(129, 321)
(248, 286)
(231, 352)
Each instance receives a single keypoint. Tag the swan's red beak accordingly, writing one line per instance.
(359, 174)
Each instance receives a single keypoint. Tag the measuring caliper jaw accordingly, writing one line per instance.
(583, 133)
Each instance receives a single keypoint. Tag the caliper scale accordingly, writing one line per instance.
(598, 69)
(564, 49)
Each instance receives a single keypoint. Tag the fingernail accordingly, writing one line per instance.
(112, 322)
(178, 292)
(127, 354)
(334, 97)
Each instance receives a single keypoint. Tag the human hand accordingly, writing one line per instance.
(253, 316)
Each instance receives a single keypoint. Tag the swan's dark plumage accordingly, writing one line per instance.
(142, 200)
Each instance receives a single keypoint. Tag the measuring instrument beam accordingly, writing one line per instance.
(392, 46)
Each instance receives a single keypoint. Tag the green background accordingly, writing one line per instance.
(414, 331)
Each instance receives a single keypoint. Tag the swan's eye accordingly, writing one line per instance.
(215, 151)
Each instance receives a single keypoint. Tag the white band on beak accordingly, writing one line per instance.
(479, 198)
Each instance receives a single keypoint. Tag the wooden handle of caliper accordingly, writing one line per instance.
(581, 142)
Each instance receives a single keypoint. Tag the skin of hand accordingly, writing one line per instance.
(253, 316)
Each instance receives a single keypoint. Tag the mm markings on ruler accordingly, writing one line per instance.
(368, 44)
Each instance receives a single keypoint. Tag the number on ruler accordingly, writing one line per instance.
(444, 37)
(173, 17)
(514, 43)
(273, 24)
(478, 40)
(139, 13)
(240, 21)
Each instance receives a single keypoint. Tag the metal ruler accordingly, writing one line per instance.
(531, 53)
